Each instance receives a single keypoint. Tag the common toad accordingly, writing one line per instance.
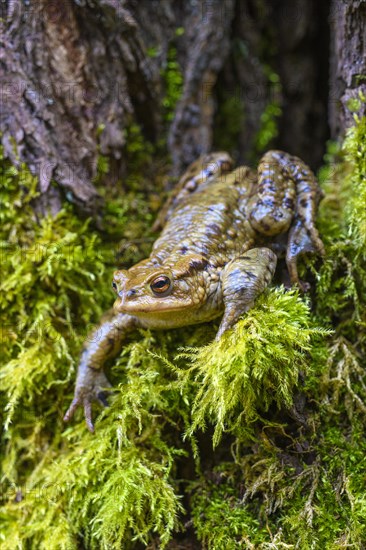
(217, 252)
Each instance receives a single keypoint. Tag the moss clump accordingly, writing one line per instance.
(355, 150)
(271, 498)
(222, 521)
(53, 289)
(255, 365)
(280, 399)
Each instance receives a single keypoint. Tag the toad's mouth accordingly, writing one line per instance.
(161, 306)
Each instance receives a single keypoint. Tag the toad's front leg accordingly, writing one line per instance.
(243, 279)
(102, 344)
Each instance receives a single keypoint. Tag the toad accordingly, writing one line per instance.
(222, 230)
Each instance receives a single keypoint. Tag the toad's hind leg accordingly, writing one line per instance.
(243, 279)
(287, 198)
(271, 209)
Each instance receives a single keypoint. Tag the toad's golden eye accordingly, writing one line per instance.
(161, 285)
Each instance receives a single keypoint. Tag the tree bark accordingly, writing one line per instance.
(289, 38)
(347, 64)
(77, 74)
(70, 69)
(207, 44)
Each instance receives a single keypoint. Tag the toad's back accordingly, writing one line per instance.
(210, 222)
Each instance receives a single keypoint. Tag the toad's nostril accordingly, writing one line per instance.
(131, 292)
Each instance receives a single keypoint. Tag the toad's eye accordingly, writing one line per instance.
(114, 286)
(161, 285)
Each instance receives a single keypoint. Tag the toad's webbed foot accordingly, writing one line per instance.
(300, 241)
(91, 385)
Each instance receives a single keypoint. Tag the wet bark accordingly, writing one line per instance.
(207, 41)
(302, 58)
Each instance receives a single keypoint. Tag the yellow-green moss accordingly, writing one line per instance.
(281, 397)
(255, 365)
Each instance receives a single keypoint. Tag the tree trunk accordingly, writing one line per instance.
(70, 70)
(347, 63)
(288, 40)
(78, 74)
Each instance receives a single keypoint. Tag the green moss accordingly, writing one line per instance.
(99, 490)
(255, 365)
(355, 151)
(53, 289)
(353, 105)
(281, 397)
(222, 521)
(138, 149)
(173, 79)
(269, 498)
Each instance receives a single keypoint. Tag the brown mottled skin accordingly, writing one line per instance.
(213, 257)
